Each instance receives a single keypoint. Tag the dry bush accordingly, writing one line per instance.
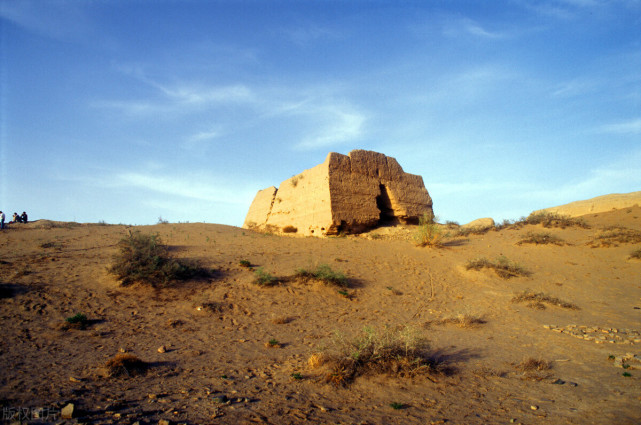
(636, 254)
(503, 267)
(142, 258)
(262, 278)
(534, 365)
(324, 273)
(428, 232)
(542, 238)
(476, 230)
(539, 299)
(552, 220)
(77, 321)
(615, 235)
(125, 364)
(290, 229)
(282, 320)
(402, 353)
(460, 320)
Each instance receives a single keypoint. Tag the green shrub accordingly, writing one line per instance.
(324, 273)
(262, 278)
(142, 258)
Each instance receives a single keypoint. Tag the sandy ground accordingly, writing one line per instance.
(51, 271)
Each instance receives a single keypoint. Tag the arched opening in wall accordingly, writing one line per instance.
(384, 205)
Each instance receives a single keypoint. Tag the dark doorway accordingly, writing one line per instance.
(384, 205)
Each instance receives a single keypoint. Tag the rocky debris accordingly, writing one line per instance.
(67, 411)
(629, 361)
(599, 335)
(345, 194)
(162, 349)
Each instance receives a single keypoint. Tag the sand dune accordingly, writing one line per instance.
(215, 366)
(596, 205)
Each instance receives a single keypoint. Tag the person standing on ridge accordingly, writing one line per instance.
(1, 220)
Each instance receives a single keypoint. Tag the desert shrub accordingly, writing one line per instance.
(273, 343)
(615, 235)
(324, 273)
(553, 220)
(77, 321)
(503, 267)
(542, 238)
(125, 364)
(51, 244)
(428, 232)
(531, 365)
(636, 254)
(290, 229)
(539, 299)
(477, 230)
(461, 320)
(142, 258)
(244, 263)
(262, 278)
(402, 353)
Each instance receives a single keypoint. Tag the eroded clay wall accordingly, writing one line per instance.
(260, 208)
(303, 202)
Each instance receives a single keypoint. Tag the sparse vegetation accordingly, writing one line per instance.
(281, 320)
(273, 343)
(142, 258)
(428, 232)
(51, 244)
(298, 376)
(534, 365)
(397, 406)
(553, 220)
(541, 238)
(636, 254)
(402, 353)
(262, 278)
(615, 235)
(245, 263)
(77, 321)
(324, 273)
(477, 230)
(461, 320)
(290, 229)
(125, 364)
(539, 299)
(503, 267)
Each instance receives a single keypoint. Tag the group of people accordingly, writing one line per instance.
(22, 218)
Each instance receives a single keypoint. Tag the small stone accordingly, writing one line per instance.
(76, 380)
(533, 407)
(67, 411)
(559, 382)
(122, 350)
(162, 349)
(220, 399)
(164, 422)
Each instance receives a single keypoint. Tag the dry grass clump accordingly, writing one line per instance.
(615, 235)
(476, 230)
(428, 232)
(636, 254)
(324, 273)
(402, 353)
(282, 320)
(553, 220)
(77, 321)
(290, 229)
(460, 320)
(125, 364)
(538, 300)
(542, 238)
(534, 365)
(142, 258)
(503, 267)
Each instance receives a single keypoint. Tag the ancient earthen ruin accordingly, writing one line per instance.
(345, 194)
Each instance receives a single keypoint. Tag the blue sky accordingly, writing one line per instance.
(130, 110)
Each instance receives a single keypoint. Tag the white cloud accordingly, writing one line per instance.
(468, 26)
(625, 127)
(59, 20)
(341, 125)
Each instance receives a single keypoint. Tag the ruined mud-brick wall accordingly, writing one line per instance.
(346, 193)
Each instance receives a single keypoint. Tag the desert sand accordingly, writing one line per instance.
(214, 367)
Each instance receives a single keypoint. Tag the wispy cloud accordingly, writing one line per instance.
(59, 20)
(341, 125)
(466, 26)
(632, 126)
(183, 186)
